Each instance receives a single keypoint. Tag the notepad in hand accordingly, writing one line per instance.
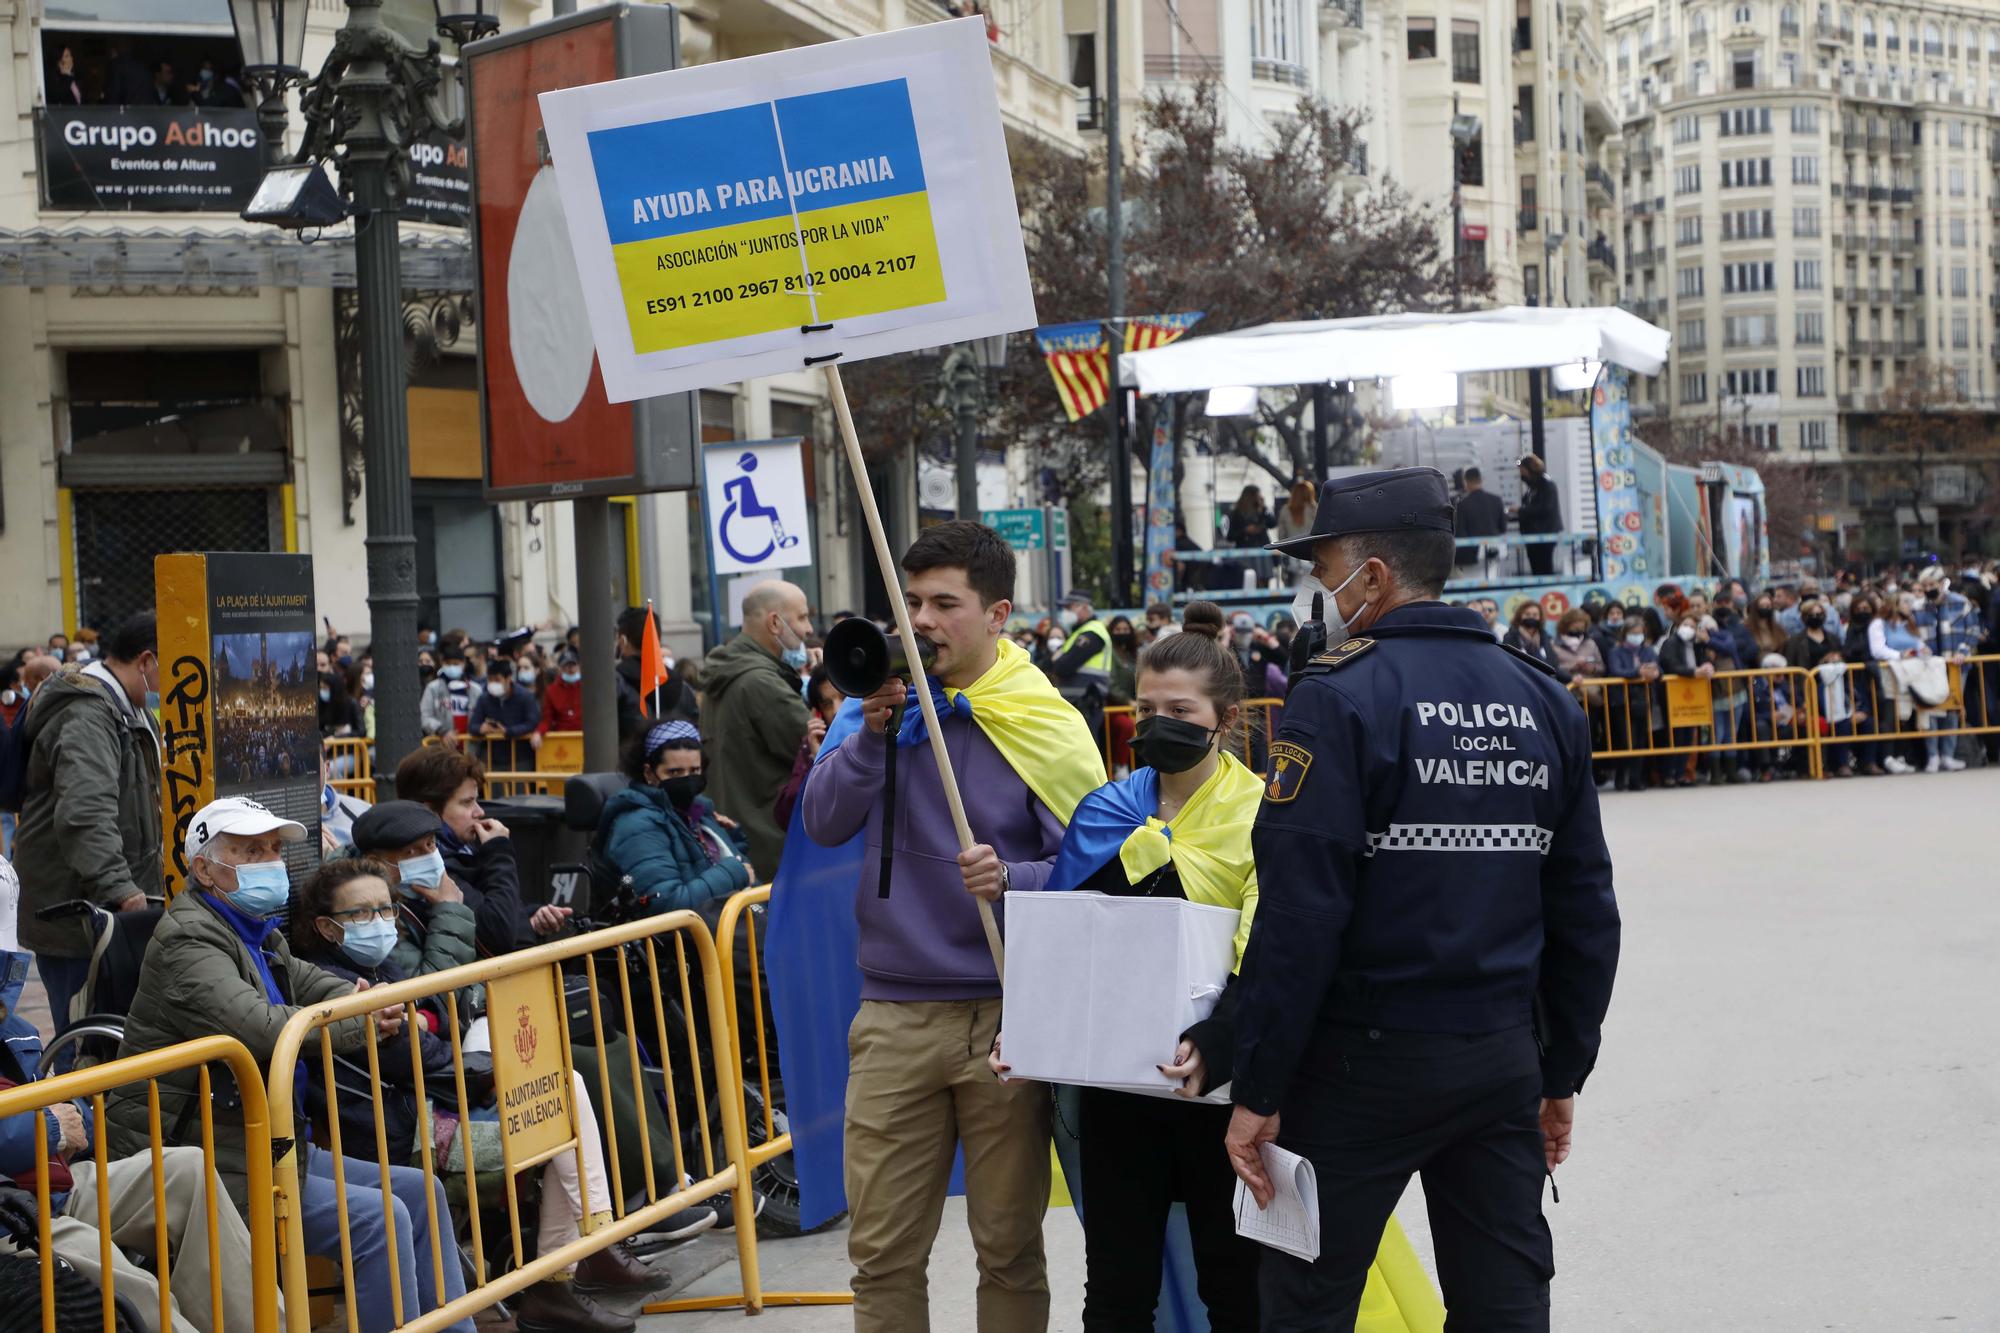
(1291, 1221)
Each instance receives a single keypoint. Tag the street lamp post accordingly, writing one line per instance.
(968, 372)
(376, 94)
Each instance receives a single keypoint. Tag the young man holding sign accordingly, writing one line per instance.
(918, 1087)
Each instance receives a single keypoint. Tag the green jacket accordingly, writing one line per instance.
(199, 981)
(753, 719)
(90, 809)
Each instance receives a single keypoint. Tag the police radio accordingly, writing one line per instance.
(1309, 641)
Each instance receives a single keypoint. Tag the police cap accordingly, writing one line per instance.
(1397, 500)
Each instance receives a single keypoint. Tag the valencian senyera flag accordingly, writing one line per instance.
(1076, 359)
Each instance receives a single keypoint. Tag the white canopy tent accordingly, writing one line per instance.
(1387, 346)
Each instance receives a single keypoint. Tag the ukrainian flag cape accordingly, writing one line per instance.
(811, 941)
(1208, 840)
(1037, 731)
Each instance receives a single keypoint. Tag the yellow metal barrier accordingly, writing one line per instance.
(543, 1115)
(1260, 720)
(737, 914)
(93, 1083)
(561, 752)
(1728, 712)
(363, 788)
(1895, 714)
(503, 784)
(347, 756)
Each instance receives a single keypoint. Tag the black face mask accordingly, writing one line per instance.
(682, 790)
(1123, 640)
(1169, 745)
(1815, 620)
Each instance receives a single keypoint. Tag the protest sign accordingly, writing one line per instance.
(761, 215)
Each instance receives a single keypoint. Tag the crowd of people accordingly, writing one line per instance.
(717, 753)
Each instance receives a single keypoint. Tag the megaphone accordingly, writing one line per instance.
(859, 657)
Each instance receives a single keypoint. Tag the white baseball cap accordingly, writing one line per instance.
(236, 814)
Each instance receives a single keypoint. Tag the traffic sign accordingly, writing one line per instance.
(1019, 528)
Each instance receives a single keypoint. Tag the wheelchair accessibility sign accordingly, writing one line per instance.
(755, 495)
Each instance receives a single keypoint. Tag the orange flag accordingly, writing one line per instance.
(652, 668)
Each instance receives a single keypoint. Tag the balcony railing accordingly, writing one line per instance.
(1278, 71)
(1599, 177)
(1183, 68)
(1345, 13)
(1600, 252)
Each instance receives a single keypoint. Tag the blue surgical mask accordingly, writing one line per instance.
(425, 870)
(794, 657)
(451, 671)
(368, 942)
(262, 888)
(152, 701)
(572, 677)
(325, 695)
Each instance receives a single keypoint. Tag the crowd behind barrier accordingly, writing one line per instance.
(617, 995)
(681, 1131)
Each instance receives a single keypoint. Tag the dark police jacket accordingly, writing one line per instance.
(1429, 855)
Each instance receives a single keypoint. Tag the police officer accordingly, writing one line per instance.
(1082, 670)
(1436, 936)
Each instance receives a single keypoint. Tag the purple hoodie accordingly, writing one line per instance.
(924, 941)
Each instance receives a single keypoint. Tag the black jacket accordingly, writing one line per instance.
(1542, 650)
(1801, 651)
(632, 718)
(1480, 514)
(392, 1058)
(490, 878)
(1378, 819)
(1541, 506)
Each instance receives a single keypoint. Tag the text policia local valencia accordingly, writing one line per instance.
(760, 190)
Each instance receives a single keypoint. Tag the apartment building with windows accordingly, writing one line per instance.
(172, 378)
(1810, 210)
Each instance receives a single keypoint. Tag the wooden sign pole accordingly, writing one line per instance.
(887, 560)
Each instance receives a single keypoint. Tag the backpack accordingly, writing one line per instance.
(14, 762)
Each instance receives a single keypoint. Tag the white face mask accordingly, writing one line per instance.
(497, 688)
(1302, 607)
(1685, 633)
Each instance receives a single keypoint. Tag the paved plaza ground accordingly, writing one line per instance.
(1796, 1121)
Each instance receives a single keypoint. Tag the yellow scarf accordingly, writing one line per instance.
(1209, 843)
(1037, 731)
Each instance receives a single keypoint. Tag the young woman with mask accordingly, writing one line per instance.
(661, 834)
(1179, 827)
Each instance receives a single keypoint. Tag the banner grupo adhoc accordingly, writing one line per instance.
(754, 216)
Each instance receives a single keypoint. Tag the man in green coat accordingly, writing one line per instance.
(90, 809)
(753, 712)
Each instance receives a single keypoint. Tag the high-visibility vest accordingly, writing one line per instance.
(1094, 673)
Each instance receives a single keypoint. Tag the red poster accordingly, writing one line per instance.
(558, 428)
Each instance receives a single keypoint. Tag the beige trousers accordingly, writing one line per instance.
(562, 1201)
(191, 1261)
(918, 1089)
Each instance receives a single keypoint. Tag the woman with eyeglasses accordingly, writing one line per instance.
(345, 922)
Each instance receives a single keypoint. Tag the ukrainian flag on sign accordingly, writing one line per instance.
(761, 218)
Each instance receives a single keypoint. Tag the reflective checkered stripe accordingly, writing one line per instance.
(1462, 838)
